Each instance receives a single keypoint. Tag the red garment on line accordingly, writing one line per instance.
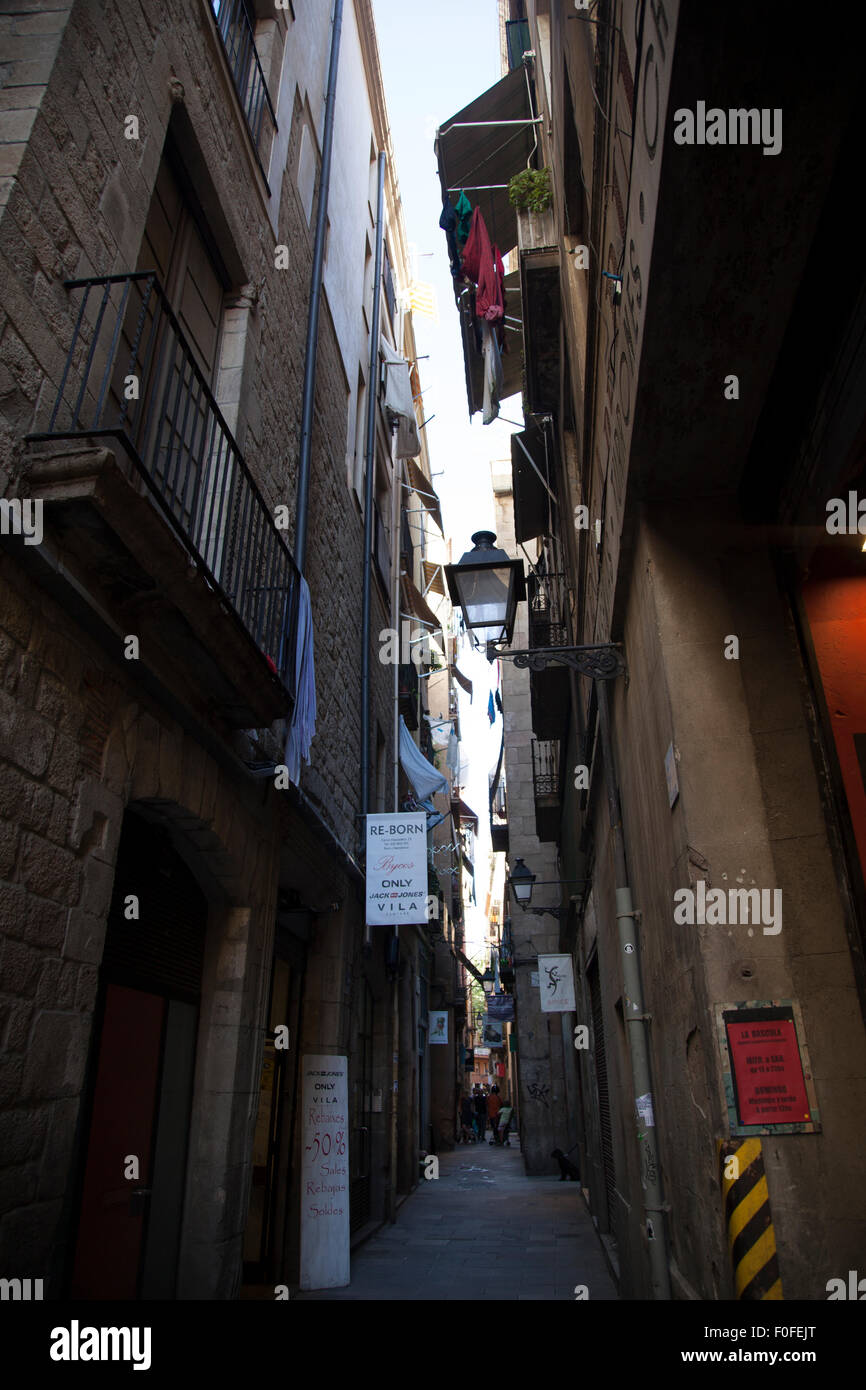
(482, 263)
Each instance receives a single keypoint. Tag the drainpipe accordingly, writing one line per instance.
(636, 1023)
(369, 482)
(309, 396)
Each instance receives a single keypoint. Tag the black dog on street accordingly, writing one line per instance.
(567, 1169)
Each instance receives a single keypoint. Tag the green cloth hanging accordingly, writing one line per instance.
(464, 217)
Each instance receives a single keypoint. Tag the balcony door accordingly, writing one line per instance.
(180, 440)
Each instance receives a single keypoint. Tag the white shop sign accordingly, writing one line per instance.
(556, 984)
(325, 1174)
(397, 868)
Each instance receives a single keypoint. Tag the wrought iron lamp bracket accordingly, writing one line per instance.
(602, 661)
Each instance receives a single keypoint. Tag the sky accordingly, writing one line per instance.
(435, 60)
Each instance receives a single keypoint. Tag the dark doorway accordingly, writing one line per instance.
(361, 1074)
(272, 1141)
(141, 1073)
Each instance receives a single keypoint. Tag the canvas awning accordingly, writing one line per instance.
(481, 147)
(533, 475)
(434, 579)
(421, 484)
(463, 680)
(418, 606)
(462, 812)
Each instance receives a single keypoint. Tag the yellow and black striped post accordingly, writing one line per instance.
(751, 1238)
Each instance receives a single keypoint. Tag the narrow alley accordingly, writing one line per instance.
(482, 1230)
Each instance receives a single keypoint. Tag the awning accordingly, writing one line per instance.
(462, 680)
(512, 358)
(434, 580)
(418, 606)
(462, 812)
(421, 484)
(473, 970)
(478, 148)
(533, 482)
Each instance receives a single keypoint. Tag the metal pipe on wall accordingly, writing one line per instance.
(636, 1022)
(316, 274)
(369, 482)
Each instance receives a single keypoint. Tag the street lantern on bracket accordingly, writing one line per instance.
(487, 586)
(523, 880)
(487, 981)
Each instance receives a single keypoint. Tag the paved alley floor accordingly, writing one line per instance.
(482, 1229)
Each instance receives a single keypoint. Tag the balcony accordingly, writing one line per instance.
(168, 525)
(547, 596)
(546, 784)
(541, 309)
(407, 693)
(239, 45)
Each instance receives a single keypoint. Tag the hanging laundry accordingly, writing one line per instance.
(463, 212)
(452, 757)
(302, 730)
(448, 223)
(491, 709)
(482, 263)
(493, 378)
(398, 399)
(424, 777)
(440, 731)
(499, 702)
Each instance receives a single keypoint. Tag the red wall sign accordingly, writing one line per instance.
(769, 1086)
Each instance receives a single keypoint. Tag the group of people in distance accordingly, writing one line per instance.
(484, 1106)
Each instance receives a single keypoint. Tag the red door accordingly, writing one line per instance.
(114, 1207)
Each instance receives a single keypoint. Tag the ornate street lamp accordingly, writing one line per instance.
(521, 879)
(487, 586)
(487, 981)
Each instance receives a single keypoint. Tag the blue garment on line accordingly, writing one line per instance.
(302, 729)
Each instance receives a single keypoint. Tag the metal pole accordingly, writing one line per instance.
(369, 481)
(310, 355)
(636, 1022)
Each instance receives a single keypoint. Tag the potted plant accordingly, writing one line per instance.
(530, 191)
(531, 194)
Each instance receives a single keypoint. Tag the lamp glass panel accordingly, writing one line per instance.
(485, 597)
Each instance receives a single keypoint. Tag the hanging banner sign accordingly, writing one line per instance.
(501, 1007)
(437, 1031)
(769, 1085)
(492, 1032)
(397, 868)
(556, 984)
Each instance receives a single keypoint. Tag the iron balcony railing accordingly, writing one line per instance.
(236, 32)
(548, 610)
(545, 768)
(130, 374)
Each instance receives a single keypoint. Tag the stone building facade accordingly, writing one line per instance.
(693, 391)
(181, 924)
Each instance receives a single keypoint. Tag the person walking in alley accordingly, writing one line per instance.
(505, 1115)
(467, 1133)
(494, 1105)
(481, 1113)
